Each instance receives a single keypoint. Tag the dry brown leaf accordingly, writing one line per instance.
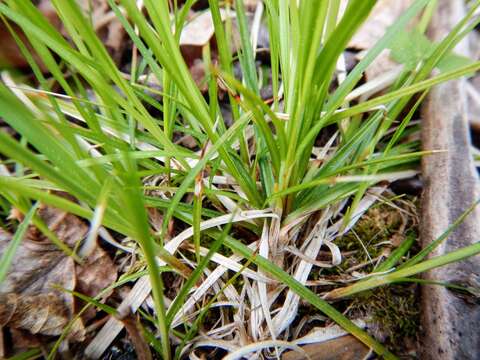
(29, 296)
(197, 70)
(194, 36)
(37, 267)
(44, 314)
(25, 340)
(107, 26)
(200, 29)
(343, 348)
(97, 272)
(10, 55)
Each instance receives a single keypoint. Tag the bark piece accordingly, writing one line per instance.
(450, 324)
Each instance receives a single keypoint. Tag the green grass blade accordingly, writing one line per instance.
(17, 238)
(399, 275)
(134, 206)
(434, 244)
(397, 254)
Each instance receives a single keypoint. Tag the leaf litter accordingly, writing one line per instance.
(33, 296)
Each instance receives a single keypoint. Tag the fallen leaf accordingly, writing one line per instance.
(195, 35)
(107, 26)
(44, 314)
(200, 30)
(197, 70)
(97, 272)
(25, 340)
(31, 296)
(343, 348)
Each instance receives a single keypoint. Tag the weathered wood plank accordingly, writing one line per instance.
(450, 324)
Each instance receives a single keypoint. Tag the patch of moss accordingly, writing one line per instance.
(394, 314)
(393, 310)
(370, 236)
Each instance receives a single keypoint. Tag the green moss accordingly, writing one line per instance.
(394, 314)
(393, 310)
(379, 229)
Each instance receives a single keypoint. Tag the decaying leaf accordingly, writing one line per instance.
(31, 297)
(96, 273)
(342, 348)
(28, 299)
(44, 314)
(199, 31)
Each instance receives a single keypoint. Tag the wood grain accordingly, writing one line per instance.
(449, 322)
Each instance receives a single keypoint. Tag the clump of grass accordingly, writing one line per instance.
(91, 133)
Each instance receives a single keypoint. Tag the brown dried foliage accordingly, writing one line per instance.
(31, 296)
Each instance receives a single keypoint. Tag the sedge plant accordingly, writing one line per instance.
(109, 139)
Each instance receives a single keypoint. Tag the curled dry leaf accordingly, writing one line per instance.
(30, 296)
